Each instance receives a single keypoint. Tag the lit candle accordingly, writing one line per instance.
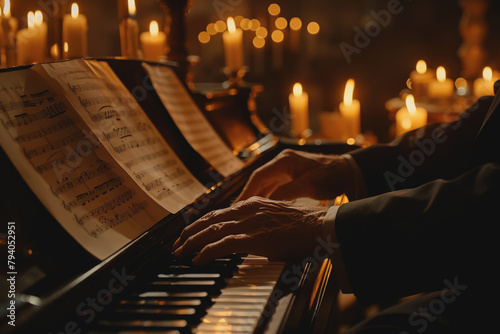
(350, 111)
(8, 30)
(75, 33)
(32, 41)
(299, 110)
(233, 46)
(129, 33)
(420, 79)
(485, 85)
(410, 117)
(441, 87)
(153, 42)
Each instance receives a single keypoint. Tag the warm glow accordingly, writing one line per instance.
(245, 23)
(295, 23)
(66, 47)
(351, 141)
(38, 18)
(421, 67)
(406, 124)
(488, 73)
(349, 92)
(254, 24)
(211, 29)
(281, 23)
(31, 20)
(274, 9)
(231, 26)
(6, 8)
(410, 104)
(277, 36)
(259, 42)
(74, 10)
(220, 26)
(261, 32)
(204, 37)
(461, 83)
(297, 90)
(153, 28)
(441, 74)
(131, 8)
(313, 28)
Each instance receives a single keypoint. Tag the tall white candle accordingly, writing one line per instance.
(153, 42)
(485, 85)
(8, 31)
(32, 41)
(75, 33)
(420, 79)
(129, 33)
(233, 46)
(410, 117)
(299, 110)
(441, 87)
(350, 111)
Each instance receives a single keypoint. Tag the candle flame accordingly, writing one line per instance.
(6, 8)
(31, 20)
(348, 93)
(441, 74)
(74, 10)
(153, 28)
(488, 73)
(410, 104)
(38, 18)
(421, 67)
(231, 26)
(297, 89)
(131, 8)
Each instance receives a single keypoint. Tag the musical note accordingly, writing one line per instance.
(109, 223)
(108, 206)
(93, 194)
(44, 131)
(134, 144)
(53, 146)
(84, 177)
(144, 158)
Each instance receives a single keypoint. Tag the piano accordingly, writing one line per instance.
(60, 288)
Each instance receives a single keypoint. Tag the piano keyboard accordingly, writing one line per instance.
(227, 296)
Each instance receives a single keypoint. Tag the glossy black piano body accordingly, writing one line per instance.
(60, 288)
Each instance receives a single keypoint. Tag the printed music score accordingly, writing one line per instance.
(191, 121)
(127, 133)
(90, 154)
(68, 168)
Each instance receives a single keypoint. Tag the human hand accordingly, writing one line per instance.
(294, 174)
(275, 229)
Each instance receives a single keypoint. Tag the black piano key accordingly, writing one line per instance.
(145, 325)
(191, 315)
(201, 296)
(209, 286)
(162, 303)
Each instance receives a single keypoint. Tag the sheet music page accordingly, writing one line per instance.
(124, 129)
(191, 121)
(68, 168)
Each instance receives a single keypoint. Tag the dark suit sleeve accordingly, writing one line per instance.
(432, 152)
(412, 240)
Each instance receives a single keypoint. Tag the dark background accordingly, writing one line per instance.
(425, 29)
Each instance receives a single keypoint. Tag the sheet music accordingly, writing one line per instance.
(112, 113)
(191, 121)
(68, 168)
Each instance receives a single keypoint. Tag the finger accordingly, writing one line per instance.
(240, 243)
(206, 236)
